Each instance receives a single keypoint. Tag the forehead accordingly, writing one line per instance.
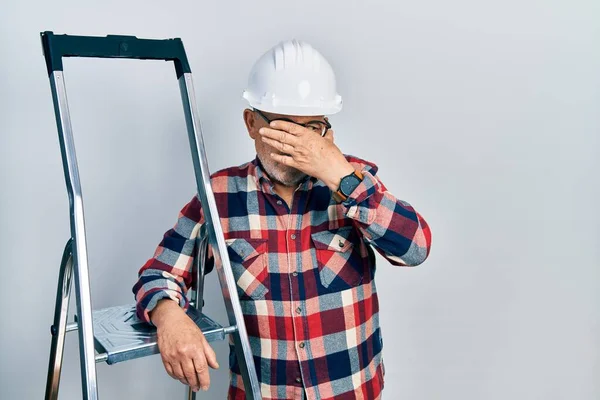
(295, 118)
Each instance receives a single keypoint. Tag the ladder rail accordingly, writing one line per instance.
(78, 235)
(217, 238)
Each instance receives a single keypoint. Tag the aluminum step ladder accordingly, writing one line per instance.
(115, 334)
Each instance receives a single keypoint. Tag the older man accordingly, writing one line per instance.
(300, 221)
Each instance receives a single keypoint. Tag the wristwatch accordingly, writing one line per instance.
(347, 186)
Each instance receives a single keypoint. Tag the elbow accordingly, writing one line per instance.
(420, 248)
(415, 256)
(418, 251)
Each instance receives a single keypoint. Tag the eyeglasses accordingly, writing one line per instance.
(321, 127)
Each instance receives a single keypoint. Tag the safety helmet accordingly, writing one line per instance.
(293, 78)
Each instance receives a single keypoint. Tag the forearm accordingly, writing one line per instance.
(168, 274)
(392, 226)
(163, 309)
(153, 286)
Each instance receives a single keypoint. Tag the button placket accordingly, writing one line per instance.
(292, 236)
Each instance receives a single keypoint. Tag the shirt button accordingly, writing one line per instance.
(299, 310)
(295, 273)
(279, 202)
(301, 345)
(293, 236)
(299, 380)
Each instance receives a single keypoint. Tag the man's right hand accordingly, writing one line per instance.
(185, 351)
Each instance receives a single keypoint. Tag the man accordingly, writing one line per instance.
(300, 221)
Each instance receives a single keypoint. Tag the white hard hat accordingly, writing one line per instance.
(293, 78)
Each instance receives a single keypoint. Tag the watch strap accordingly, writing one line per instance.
(338, 195)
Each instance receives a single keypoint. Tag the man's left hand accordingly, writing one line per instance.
(307, 151)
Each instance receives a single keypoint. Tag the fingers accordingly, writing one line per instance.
(201, 371)
(178, 373)
(192, 367)
(170, 371)
(189, 370)
(211, 357)
(283, 147)
(186, 353)
(286, 160)
(193, 372)
(289, 127)
(202, 361)
(280, 135)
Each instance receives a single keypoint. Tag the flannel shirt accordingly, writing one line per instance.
(305, 277)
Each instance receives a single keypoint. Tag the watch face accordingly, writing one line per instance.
(348, 184)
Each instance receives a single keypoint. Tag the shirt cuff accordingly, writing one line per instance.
(365, 189)
(149, 303)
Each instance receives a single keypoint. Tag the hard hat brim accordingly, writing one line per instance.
(295, 110)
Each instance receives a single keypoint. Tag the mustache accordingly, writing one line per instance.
(279, 172)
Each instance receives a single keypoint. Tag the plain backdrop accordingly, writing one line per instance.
(482, 114)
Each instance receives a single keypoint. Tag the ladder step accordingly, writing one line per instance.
(120, 334)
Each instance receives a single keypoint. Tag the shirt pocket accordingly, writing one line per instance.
(249, 267)
(340, 264)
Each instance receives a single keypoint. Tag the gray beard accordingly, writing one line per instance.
(288, 177)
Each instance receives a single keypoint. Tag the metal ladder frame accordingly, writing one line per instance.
(74, 262)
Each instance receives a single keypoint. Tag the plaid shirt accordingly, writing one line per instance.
(305, 277)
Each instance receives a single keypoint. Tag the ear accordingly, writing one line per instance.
(250, 121)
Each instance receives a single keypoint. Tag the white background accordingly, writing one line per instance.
(483, 115)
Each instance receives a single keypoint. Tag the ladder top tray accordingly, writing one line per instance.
(123, 336)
